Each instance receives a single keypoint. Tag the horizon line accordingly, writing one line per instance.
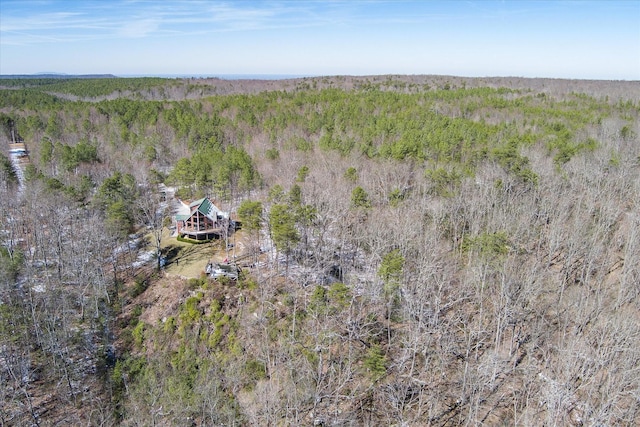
(281, 76)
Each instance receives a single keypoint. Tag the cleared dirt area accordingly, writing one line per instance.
(162, 299)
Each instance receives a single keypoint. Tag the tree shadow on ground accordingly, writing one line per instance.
(171, 253)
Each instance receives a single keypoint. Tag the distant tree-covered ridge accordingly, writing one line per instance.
(463, 126)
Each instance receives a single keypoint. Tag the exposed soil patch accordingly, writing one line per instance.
(162, 299)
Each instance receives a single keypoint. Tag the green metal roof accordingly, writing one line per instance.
(197, 202)
(205, 207)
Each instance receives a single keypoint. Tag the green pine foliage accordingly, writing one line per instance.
(283, 228)
(360, 198)
(226, 170)
(250, 213)
(375, 362)
(390, 271)
(116, 196)
(443, 242)
(6, 169)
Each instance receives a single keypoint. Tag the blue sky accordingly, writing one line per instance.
(558, 39)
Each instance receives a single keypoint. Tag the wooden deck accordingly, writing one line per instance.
(204, 234)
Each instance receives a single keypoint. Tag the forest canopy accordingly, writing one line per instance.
(418, 250)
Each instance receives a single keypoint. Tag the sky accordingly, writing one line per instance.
(578, 39)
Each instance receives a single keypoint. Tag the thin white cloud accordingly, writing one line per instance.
(17, 38)
(364, 33)
(41, 22)
(139, 28)
(136, 19)
(139, 19)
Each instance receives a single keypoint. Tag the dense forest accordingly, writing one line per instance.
(427, 250)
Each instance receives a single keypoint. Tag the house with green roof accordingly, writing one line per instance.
(204, 221)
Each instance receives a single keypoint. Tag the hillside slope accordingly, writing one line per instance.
(429, 250)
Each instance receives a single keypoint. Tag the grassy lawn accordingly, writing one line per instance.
(186, 259)
(190, 260)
